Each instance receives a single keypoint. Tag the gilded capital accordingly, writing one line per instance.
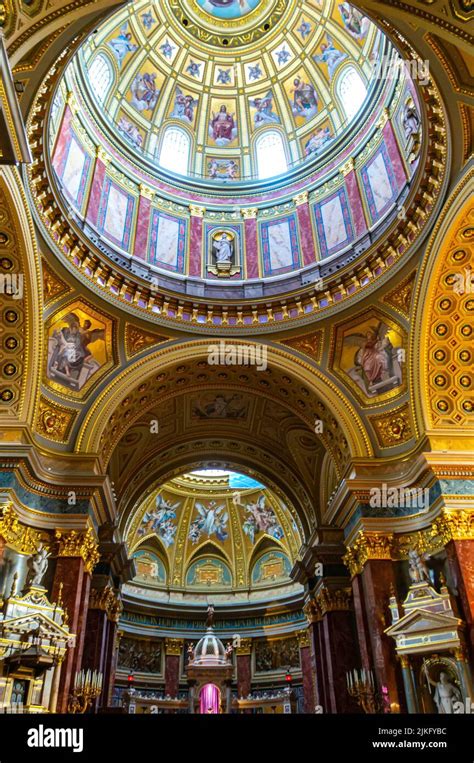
(244, 647)
(303, 639)
(454, 525)
(197, 211)
(368, 545)
(250, 213)
(174, 646)
(301, 198)
(82, 544)
(146, 192)
(107, 600)
(337, 600)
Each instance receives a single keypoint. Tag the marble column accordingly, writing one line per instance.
(307, 669)
(77, 556)
(244, 668)
(409, 685)
(100, 646)
(460, 555)
(173, 650)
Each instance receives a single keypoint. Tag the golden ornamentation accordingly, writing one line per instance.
(54, 421)
(197, 211)
(454, 525)
(53, 287)
(393, 428)
(311, 345)
(18, 536)
(174, 646)
(368, 546)
(137, 340)
(250, 213)
(146, 192)
(301, 198)
(244, 647)
(107, 600)
(82, 544)
(303, 639)
(400, 297)
(337, 600)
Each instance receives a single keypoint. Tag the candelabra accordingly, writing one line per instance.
(361, 686)
(87, 687)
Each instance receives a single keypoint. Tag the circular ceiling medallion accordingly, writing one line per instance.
(228, 10)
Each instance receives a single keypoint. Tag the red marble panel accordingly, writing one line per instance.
(62, 140)
(196, 246)
(365, 647)
(355, 203)
(341, 656)
(394, 154)
(308, 678)
(244, 676)
(172, 674)
(92, 214)
(143, 225)
(461, 560)
(308, 246)
(251, 247)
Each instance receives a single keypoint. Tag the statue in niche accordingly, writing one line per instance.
(446, 693)
(418, 569)
(223, 253)
(412, 127)
(37, 566)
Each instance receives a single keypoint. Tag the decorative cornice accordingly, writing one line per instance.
(454, 525)
(82, 544)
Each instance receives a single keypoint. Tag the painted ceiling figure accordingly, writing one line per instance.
(223, 126)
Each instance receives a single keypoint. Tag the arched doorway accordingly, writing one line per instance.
(209, 700)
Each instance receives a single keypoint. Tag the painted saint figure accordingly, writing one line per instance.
(331, 56)
(122, 45)
(223, 127)
(144, 91)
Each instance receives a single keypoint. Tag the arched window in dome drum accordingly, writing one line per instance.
(351, 90)
(271, 154)
(175, 150)
(101, 76)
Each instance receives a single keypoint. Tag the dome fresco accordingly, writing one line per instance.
(205, 115)
(233, 160)
(201, 534)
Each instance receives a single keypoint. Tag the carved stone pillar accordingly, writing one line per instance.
(244, 667)
(173, 650)
(76, 557)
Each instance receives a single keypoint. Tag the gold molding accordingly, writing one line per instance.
(174, 646)
(108, 601)
(72, 543)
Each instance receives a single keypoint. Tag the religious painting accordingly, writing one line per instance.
(272, 567)
(168, 49)
(184, 106)
(370, 354)
(305, 28)
(150, 568)
(194, 69)
(161, 520)
(130, 131)
(260, 518)
(122, 45)
(145, 90)
(228, 9)
(282, 55)
(148, 19)
(209, 572)
(223, 169)
(356, 24)
(211, 521)
(280, 654)
(302, 96)
(330, 56)
(224, 75)
(254, 71)
(79, 345)
(212, 406)
(261, 110)
(317, 141)
(140, 655)
(223, 128)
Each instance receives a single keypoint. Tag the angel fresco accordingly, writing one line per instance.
(70, 360)
(160, 520)
(122, 45)
(356, 24)
(330, 55)
(318, 140)
(212, 520)
(264, 113)
(184, 105)
(144, 91)
(376, 367)
(261, 518)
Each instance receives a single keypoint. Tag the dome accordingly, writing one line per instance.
(228, 90)
(210, 651)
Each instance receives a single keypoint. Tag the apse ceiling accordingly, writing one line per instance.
(212, 532)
